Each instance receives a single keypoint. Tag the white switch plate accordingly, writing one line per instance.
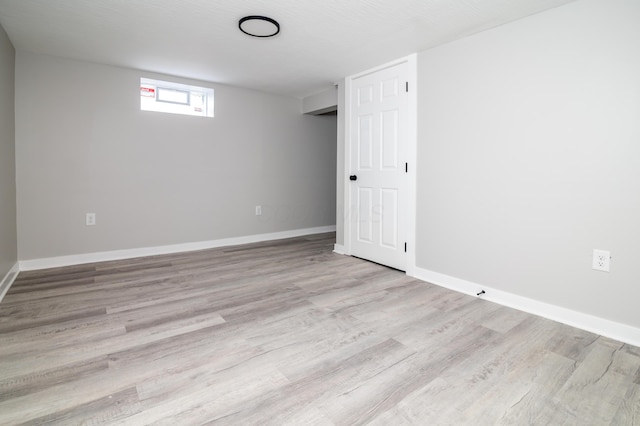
(91, 219)
(258, 210)
(601, 260)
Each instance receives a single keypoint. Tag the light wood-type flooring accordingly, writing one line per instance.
(287, 332)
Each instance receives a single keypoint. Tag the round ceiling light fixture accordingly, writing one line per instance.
(259, 26)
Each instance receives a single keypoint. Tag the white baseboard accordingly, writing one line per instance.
(8, 280)
(615, 330)
(55, 262)
(339, 249)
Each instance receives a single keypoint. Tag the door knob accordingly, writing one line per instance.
(353, 177)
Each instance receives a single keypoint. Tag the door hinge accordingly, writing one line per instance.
(406, 86)
(405, 247)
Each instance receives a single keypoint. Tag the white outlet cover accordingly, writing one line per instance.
(91, 219)
(601, 260)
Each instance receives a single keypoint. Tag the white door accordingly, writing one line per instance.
(378, 166)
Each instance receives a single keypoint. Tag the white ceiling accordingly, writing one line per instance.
(320, 40)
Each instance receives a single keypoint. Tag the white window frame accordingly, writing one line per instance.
(199, 100)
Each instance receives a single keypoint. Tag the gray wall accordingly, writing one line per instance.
(8, 245)
(83, 145)
(529, 157)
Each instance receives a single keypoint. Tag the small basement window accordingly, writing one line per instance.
(175, 98)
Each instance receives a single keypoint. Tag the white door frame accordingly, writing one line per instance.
(412, 144)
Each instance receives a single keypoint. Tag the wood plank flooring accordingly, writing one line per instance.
(289, 333)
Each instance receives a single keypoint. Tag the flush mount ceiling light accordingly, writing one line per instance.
(259, 26)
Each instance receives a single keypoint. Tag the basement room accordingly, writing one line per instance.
(319, 212)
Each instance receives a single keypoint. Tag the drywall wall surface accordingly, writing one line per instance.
(8, 243)
(529, 150)
(155, 179)
(321, 103)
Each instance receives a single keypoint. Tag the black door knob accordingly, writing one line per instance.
(353, 177)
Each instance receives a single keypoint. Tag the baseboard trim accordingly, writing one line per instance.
(615, 330)
(55, 262)
(339, 249)
(8, 280)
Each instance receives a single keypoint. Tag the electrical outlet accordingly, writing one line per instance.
(91, 219)
(601, 260)
(258, 210)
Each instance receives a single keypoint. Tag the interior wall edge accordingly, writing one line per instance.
(79, 259)
(602, 326)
